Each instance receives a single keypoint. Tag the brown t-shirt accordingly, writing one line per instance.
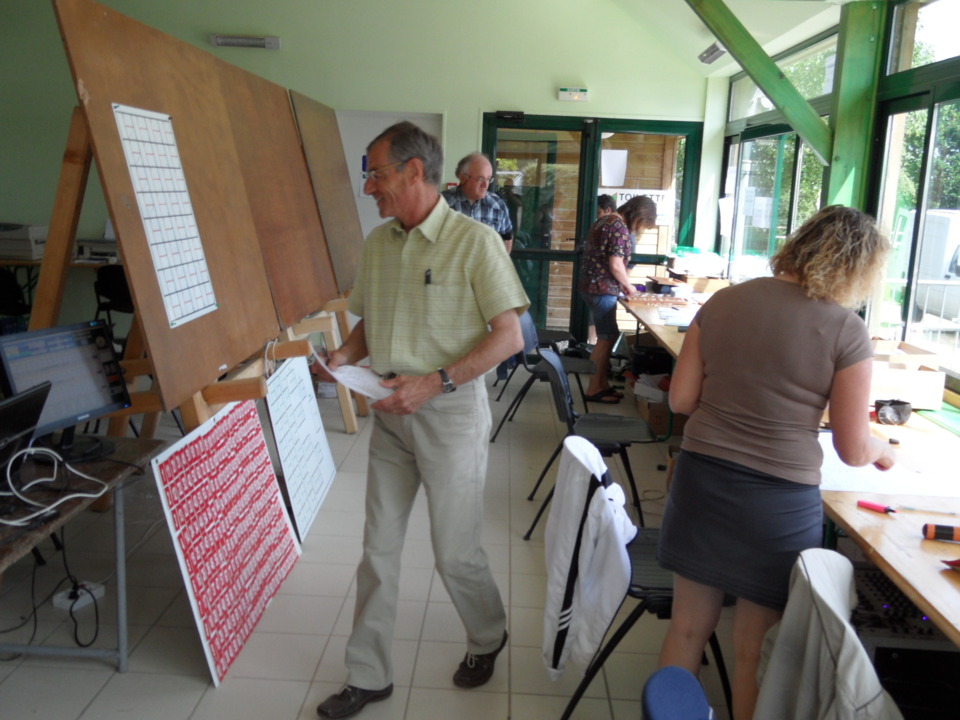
(770, 354)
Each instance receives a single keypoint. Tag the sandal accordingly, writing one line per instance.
(608, 396)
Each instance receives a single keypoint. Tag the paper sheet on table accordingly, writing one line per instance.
(677, 316)
(933, 481)
(359, 379)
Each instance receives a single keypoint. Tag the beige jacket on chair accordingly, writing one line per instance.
(814, 666)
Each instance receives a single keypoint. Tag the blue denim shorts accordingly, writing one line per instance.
(603, 308)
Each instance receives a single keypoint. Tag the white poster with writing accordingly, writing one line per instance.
(305, 459)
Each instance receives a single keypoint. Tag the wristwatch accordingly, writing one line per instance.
(448, 386)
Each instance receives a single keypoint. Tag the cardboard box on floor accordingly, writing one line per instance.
(658, 415)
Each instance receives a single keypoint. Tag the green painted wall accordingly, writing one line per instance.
(450, 57)
(455, 58)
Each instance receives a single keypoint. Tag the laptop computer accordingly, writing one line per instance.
(19, 415)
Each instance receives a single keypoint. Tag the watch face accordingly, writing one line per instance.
(448, 386)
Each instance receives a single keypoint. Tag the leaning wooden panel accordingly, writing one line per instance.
(320, 135)
(115, 59)
(281, 197)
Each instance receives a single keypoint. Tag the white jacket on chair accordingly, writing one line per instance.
(816, 667)
(588, 569)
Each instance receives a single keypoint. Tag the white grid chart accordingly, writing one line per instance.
(153, 160)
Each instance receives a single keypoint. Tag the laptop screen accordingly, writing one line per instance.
(19, 415)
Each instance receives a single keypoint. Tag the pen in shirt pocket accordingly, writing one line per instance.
(427, 277)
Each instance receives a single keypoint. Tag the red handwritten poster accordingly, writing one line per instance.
(231, 531)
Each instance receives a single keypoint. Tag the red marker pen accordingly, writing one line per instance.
(876, 507)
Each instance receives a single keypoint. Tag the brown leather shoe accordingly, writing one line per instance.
(350, 701)
(476, 670)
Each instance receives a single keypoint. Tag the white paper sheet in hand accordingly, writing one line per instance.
(359, 379)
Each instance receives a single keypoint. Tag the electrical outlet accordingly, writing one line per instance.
(85, 595)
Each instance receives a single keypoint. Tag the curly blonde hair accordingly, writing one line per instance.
(838, 254)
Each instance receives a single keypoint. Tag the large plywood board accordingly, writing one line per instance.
(281, 196)
(116, 60)
(320, 136)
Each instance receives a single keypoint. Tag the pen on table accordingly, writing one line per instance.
(876, 507)
(427, 278)
(908, 508)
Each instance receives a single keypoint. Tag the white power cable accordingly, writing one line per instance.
(44, 508)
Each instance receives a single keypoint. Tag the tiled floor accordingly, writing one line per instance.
(295, 657)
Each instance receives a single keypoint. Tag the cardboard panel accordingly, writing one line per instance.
(280, 193)
(320, 136)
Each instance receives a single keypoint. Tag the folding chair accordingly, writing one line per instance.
(572, 553)
(534, 365)
(612, 434)
(653, 587)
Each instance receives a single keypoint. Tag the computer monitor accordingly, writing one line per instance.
(86, 382)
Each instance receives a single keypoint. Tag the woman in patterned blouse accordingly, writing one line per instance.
(604, 277)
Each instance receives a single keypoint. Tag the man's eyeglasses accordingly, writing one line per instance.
(480, 178)
(380, 173)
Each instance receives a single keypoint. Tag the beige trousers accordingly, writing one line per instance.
(443, 447)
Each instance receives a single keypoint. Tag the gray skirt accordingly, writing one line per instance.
(737, 529)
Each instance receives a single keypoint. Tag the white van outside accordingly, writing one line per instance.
(937, 284)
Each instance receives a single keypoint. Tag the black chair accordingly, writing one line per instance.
(13, 302)
(533, 364)
(113, 295)
(612, 434)
(653, 587)
(544, 338)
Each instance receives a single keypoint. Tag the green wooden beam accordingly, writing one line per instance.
(765, 73)
(859, 62)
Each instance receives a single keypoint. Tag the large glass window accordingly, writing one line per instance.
(935, 310)
(920, 209)
(810, 69)
(903, 154)
(779, 184)
(924, 32)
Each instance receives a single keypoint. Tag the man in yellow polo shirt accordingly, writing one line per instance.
(439, 304)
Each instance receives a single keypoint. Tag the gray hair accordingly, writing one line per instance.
(408, 141)
(467, 159)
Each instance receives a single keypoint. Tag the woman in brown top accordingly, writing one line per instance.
(758, 366)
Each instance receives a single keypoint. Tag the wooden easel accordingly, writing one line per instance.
(333, 325)
(242, 383)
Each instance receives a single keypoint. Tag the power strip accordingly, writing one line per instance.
(67, 599)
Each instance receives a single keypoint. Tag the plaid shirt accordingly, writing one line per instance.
(490, 210)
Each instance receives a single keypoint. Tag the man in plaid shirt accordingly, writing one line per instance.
(470, 197)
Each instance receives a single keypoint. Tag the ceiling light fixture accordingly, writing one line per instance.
(265, 42)
(711, 53)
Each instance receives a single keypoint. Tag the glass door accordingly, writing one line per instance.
(538, 174)
(551, 169)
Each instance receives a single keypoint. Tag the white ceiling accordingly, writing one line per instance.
(775, 24)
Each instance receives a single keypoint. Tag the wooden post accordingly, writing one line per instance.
(63, 224)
